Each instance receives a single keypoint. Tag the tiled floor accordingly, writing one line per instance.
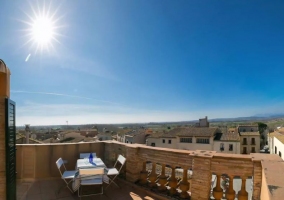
(47, 190)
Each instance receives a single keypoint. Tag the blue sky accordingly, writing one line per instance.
(145, 61)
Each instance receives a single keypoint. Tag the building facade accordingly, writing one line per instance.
(196, 138)
(203, 122)
(227, 143)
(276, 142)
(132, 136)
(249, 139)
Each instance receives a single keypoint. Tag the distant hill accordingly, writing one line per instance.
(269, 118)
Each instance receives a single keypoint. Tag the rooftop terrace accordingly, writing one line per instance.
(46, 189)
(154, 173)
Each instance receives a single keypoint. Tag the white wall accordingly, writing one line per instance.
(280, 147)
(236, 147)
(176, 144)
(195, 146)
(159, 142)
(121, 138)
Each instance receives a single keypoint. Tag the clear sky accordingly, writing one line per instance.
(143, 61)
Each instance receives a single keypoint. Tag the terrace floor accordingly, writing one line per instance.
(47, 190)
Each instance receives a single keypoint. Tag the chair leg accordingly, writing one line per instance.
(64, 186)
(112, 181)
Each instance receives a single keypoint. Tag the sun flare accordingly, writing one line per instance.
(43, 26)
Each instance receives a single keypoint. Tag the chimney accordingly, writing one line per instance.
(27, 129)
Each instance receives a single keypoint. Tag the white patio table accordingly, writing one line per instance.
(86, 164)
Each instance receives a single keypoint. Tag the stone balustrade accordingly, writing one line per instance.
(165, 170)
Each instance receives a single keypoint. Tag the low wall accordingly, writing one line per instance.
(37, 161)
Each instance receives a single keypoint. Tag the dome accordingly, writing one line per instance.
(4, 68)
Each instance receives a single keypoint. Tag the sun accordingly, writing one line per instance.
(43, 27)
(43, 31)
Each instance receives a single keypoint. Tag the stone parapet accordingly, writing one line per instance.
(37, 161)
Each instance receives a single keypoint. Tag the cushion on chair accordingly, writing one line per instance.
(68, 174)
(112, 171)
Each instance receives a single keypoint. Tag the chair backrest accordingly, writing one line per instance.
(120, 160)
(86, 155)
(59, 163)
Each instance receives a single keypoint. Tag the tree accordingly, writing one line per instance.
(261, 127)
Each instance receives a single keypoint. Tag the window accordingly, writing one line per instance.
(153, 144)
(275, 150)
(202, 141)
(164, 141)
(170, 141)
(280, 154)
(230, 147)
(253, 141)
(185, 140)
(221, 147)
(253, 149)
(244, 150)
(244, 141)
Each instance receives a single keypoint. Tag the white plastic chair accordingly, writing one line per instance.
(65, 175)
(86, 155)
(114, 172)
(91, 176)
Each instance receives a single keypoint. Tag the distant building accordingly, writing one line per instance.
(227, 142)
(21, 139)
(250, 138)
(88, 133)
(132, 136)
(107, 135)
(203, 122)
(276, 142)
(194, 138)
(197, 138)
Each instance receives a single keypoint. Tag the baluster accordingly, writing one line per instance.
(173, 182)
(218, 191)
(143, 175)
(153, 176)
(162, 179)
(243, 195)
(184, 185)
(231, 192)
